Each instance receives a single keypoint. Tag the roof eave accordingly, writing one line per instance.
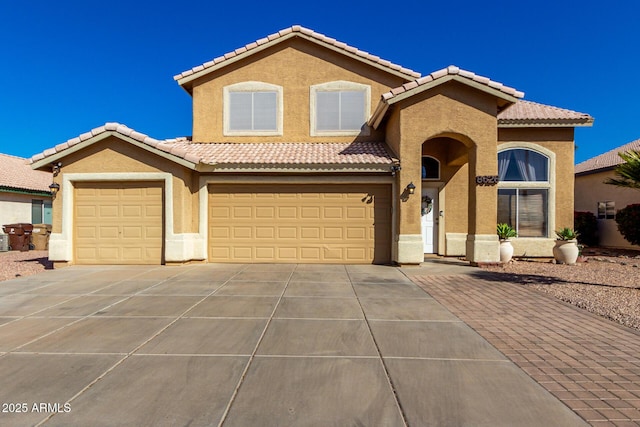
(101, 136)
(182, 81)
(596, 170)
(301, 168)
(555, 123)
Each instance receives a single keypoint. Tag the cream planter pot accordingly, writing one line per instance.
(506, 251)
(566, 251)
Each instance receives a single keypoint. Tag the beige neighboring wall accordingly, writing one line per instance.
(280, 65)
(113, 155)
(591, 189)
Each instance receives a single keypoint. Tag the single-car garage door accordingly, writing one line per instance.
(300, 223)
(118, 223)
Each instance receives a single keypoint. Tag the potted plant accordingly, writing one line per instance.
(566, 249)
(505, 232)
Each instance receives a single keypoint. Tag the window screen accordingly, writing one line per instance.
(253, 111)
(340, 110)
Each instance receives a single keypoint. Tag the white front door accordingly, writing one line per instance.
(429, 220)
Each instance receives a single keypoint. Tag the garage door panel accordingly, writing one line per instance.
(299, 223)
(118, 223)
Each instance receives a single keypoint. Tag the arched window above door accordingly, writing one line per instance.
(430, 168)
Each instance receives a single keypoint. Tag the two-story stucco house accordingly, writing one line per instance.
(306, 149)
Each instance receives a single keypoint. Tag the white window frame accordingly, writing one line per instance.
(549, 184)
(252, 86)
(339, 86)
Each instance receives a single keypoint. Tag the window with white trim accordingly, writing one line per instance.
(252, 108)
(339, 108)
(523, 192)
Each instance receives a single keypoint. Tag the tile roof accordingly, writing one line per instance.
(608, 159)
(15, 173)
(167, 146)
(451, 70)
(527, 113)
(293, 153)
(357, 153)
(284, 34)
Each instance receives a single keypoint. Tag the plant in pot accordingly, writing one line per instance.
(566, 249)
(505, 232)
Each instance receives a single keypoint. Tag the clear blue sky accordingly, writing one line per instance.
(69, 66)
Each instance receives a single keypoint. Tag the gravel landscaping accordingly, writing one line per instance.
(607, 285)
(16, 264)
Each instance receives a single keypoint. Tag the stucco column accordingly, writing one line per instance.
(482, 241)
(410, 245)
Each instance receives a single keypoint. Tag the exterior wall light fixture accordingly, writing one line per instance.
(54, 187)
(411, 188)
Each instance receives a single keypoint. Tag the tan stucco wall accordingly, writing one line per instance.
(468, 116)
(559, 141)
(113, 155)
(283, 65)
(591, 189)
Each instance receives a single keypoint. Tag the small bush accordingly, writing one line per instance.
(586, 224)
(628, 220)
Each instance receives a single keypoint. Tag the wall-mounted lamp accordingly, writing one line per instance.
(55, 168)
(411, 188)
(54, 188)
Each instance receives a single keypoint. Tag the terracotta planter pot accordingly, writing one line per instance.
(506, 251)
(566, 251)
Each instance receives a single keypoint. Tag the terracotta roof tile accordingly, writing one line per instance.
(295, 153)
(274, 38)
(527, 112)
(451, 70)
(608, 159)
(360, 153)
(15, 172)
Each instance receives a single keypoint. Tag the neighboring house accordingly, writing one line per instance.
(24, 192)
(305, 149)
(593, 195)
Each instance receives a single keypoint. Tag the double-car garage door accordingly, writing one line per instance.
(300, 223)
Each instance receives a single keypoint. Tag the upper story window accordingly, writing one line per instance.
(252, 108)
(522, 165)
(339, 108)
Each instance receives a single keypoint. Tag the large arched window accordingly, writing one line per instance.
(523, 193)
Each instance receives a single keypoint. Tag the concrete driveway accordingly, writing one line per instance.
(251, 345)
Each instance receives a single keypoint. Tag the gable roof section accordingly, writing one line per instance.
(365, 156)
(531, 114)
(451, 73)
(163, 148)
(285, 34)
(605, 161)
(15, 174)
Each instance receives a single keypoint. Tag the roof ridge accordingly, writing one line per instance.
(307, 32)
(163, 145)
(451, 70)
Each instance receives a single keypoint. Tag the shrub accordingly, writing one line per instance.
(505, 232)
(586, 225)
(628, 220)
(566, 234)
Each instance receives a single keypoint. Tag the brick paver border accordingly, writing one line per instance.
(589, 363)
